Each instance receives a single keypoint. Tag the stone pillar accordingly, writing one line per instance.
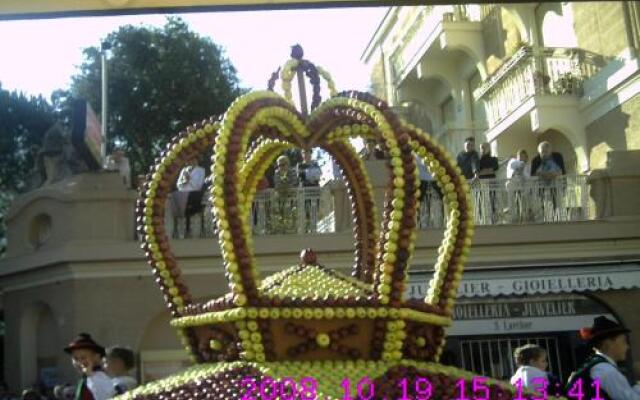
(378, 176)
(341, 206)
(615, 190)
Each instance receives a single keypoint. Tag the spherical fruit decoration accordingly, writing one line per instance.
(321, 314)
(308, 257)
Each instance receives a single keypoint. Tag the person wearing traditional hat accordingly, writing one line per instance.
(609, 342)
(86, 356)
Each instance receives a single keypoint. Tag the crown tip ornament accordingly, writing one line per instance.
(308, 257)
(297, 52)
(309, 320)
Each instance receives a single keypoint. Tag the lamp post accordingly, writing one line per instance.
(104, 47)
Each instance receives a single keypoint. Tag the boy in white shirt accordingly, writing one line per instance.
(532, 364)
(118, 363)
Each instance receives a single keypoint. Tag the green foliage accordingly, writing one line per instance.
(23, 121)
(160, 81)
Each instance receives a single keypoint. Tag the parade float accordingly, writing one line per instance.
(309, 332)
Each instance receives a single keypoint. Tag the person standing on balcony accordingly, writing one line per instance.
(487, 167)
(309, 172)
(284, 177)
(468, 159)
(431, 209)
(285, 180)
(518, 171)
(518, 167)
(487, 164)
(118, 161)
(547, 164)
(187, 201)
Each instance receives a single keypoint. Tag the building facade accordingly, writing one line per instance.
(514, 75)
(502, 74)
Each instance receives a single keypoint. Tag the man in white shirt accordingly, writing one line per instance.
(518, 167)
(609, 341)
(189, 194)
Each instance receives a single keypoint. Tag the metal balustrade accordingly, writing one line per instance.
(516, 201)
(274, 211)
(536, 71)
(495, 202)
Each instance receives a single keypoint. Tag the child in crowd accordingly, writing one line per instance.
(532, 364)
(86, 356)
(119, 362)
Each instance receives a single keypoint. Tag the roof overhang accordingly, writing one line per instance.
(26, 9)
(534, 280)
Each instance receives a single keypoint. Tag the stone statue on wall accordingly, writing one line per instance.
(55, 160)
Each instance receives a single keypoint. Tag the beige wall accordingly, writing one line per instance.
(501, 37)
(378, 81)
(128, 311)
(600, 27)
(619, 129)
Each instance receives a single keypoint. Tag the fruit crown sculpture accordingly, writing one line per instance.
(307, 321)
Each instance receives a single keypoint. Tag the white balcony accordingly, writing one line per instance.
(537, 86)
(433, 30)
(516, 201)
(496, 201)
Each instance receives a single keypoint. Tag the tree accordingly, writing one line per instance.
(23, 122)
(161, 80)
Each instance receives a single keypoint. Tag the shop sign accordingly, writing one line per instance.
(533, 283)
(526, 309)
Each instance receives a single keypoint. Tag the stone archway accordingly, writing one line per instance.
(159, 335)
(161, 352)
(562, 144)
(39, 352)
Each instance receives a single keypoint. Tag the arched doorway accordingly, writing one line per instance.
(561, 144)
(39, 352)
(161, 353)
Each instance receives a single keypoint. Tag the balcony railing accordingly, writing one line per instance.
(288, 211)
(533, 71)
(495, 202)
(516, 201)
(300, 210)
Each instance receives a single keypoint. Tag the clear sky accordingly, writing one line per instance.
(39, 56)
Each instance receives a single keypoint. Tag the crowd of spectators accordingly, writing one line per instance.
(104, 373)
